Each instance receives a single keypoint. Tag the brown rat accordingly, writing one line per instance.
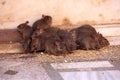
(25, 31)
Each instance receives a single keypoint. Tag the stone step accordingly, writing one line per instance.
(17, 47)
(13, 35)
(10, 38)
(108, 30)
(11, 48)
(9, 35)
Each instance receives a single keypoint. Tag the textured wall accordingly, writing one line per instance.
(13, 12)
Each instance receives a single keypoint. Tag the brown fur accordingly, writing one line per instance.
(102, 40)
(88, 43)
(85, 37)
(54, 46)
(25, 31)
(67, 39)
(42, 23)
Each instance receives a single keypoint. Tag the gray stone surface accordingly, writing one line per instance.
(32, 68)
(91, 75)
(24, 71)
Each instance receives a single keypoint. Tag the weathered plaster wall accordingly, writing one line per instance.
(14, 12)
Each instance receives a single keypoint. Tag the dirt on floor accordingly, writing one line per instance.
(106, 53)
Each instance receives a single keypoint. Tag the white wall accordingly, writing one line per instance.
(14, 12)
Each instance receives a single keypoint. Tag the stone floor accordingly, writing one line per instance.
(80, 65)
(34, 69)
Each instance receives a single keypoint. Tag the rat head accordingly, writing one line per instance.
(102, 40)
(47, 19)
(70, 44)
(35, 45)
(22, 26)
(60, 47)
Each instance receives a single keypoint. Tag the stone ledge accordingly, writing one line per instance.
(17, 47)
(9, 39)
(9, 35)
(110, 30)
(11, 48)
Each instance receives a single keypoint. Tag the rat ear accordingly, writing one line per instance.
(43, 15)
(100, 34)
(26, 22)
